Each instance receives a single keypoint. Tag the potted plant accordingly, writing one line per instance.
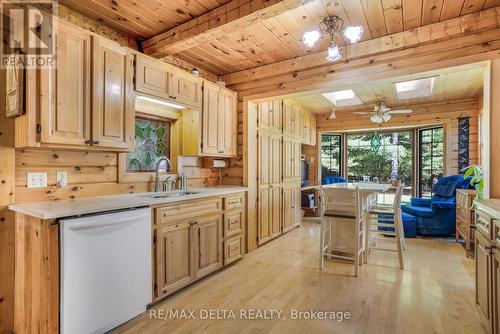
(477, 180)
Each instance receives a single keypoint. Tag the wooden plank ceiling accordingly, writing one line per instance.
(269, 38)
(143, 19)
(464, 82)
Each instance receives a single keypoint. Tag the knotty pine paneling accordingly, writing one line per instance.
(233, 175)
(90, 174)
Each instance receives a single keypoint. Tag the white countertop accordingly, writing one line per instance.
(76, 207)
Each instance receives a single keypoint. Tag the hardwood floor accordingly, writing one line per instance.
(433, 294)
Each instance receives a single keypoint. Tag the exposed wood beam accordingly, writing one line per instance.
(430, 34)
(216, 23)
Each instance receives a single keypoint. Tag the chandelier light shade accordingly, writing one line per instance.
(329, 26)
(353, 33)
(333, 52)
(311, 37)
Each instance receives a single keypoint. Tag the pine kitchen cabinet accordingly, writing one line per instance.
(487, 256)
(213, 130)
(86, 100)
(159, 79)
(195, 238)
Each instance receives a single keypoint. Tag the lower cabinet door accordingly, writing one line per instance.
(264, 229)
(275, 211)
(173, 256)
(483, 278)
(496, 291)
(296, 206)
(208, 244)
(288, 213)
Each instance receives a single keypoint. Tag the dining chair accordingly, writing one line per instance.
(341, 205)
(385, 228)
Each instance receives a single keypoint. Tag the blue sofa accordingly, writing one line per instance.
(437, 215)
(333, 179)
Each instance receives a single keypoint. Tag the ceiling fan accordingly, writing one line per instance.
(382, 114)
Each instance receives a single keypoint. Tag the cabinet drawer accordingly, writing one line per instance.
(233, 223)
(484, 224)
(233, 249)
(172, 213)
(233, 202)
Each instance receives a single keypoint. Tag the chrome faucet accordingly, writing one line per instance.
(157, 177)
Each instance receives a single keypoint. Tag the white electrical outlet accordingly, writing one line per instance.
(37, 180)
(62, 179)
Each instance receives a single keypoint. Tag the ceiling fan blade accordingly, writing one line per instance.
(362, 113)
(400, 111)
(384, 109)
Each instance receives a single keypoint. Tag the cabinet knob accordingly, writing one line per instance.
(96, 142)
(88, 142)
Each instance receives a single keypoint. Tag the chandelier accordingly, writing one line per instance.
(329, 26)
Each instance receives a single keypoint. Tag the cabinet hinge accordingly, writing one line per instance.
(133, 80)
(155, 287)
(201, 145)
(154, 239)
(202, 88)
(134, 62)
(38, 128)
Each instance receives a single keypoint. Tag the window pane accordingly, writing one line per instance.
(431, 159)
(393, 159)
(331, 155)
(151, 142)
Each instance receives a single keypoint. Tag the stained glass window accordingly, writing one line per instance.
(152, 141)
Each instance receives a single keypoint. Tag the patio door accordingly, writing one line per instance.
(431, 159)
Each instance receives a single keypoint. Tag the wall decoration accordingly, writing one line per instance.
(463, 143)
(151, 142)
(14, 86)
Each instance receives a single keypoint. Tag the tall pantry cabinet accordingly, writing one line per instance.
(278, 174)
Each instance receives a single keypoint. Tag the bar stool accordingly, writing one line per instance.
(342, 204)
(386, 221)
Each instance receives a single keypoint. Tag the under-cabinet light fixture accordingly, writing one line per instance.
(158, 101)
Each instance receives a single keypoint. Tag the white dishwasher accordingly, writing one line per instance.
(105, 270)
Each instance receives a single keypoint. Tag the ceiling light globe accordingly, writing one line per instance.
(353, 33)
(376, 119)
(386, 117)
(333, 53)
(310, 38)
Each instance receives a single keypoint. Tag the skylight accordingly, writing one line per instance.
(343, 98)
(415, 88)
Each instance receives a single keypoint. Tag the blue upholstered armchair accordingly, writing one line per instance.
(437, 215)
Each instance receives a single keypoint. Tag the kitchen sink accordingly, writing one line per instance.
(170, 194)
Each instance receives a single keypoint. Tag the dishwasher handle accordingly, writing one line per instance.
(96, 222)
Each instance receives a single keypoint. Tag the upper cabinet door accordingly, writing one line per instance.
(153, 77)
(228, 126)
(186, 88)
(113, 96)
(210, 119)
(312, 136)
(65, 90)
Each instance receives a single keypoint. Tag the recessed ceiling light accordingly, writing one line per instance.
(415, 88)
(343, 98)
